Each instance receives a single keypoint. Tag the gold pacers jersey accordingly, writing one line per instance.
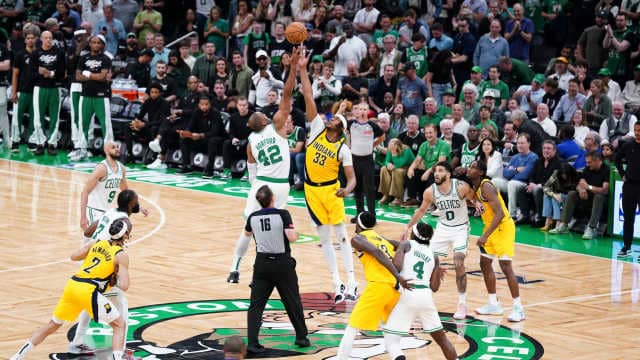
(99, 264)
(321, 161)
(487, 214)
(373, 270)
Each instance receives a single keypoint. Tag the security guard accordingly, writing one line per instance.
(272, 229)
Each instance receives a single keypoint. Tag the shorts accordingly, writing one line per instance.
(78, 296)
(417, 303)
(446, 236)
(325, 208)
(374, 306)
(280, 196)
(502, 242)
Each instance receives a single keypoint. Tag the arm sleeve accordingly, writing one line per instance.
(302, 135)
(287, 222)
(247, 226)
(377, 132)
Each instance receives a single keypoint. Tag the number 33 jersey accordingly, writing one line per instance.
(271, 152)
(322, 160)
(104, 194)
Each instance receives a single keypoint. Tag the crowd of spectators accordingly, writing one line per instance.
(543, 91)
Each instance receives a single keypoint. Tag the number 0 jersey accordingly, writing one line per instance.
(103, 195)
(99, 264)
(453, 210)
(373, 270)
(418, 264)
(271, 152)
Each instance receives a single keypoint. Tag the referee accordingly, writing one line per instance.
(273, 230)
(629, 154)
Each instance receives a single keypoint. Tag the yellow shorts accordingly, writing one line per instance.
(79, 296)
(374, 306)
(501, 243)
(324, 206)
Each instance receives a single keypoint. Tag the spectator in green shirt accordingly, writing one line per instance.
(485, 118)
(385, 29)
(432, 113)
(495, 83)
(420, 173)
(515, 72)
(217, 31)
(392, 174)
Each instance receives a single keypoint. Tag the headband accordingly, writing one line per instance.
(121, 233)
(360, 223)
(415, 232)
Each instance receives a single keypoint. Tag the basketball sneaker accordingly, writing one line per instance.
(338, 294)
(490, 309)
(352, 292)
(624, 252)
(155, 146)
(81, 349)
(15, 148)
(157, 164)
(234, 277)
(461, 313)
(517, 314)
(81, 154)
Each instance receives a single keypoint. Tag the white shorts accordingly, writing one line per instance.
(445, 237)
(280, 196)
(415, 304)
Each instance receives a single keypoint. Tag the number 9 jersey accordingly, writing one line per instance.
(103, 195)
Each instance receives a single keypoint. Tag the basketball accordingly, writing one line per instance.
(296, 33)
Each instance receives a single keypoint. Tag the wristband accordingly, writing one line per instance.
(86, 73)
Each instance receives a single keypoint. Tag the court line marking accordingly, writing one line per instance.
(153, 231)
(301, 207)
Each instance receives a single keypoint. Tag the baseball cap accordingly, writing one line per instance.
(409, 66)
(562, 59)
(80, 32)
(602, 14)
(261, 53)
(317, 58)
(131, 34)
(101, 38)
(491, 93)
(476, 69)
(539, 78)
(449, 92)
(604, 72)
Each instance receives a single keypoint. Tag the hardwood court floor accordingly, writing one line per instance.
(585, 307)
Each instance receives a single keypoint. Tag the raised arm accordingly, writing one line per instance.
(307, 92)
(284, 109)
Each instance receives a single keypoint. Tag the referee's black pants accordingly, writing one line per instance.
(279, 271)
(364, 168)
(630, 202)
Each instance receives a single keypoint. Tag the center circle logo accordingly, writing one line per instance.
(326, 324)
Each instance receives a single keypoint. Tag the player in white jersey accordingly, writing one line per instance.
(128, 204)
(450, 198)
(415, 260)
(268, 161)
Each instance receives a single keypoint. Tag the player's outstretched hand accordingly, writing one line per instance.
(303, 61)
(405, 283)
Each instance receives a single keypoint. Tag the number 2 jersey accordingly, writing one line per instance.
(99, 264)
(103, 195)
(452, 210)
(418, 265)
(271, 152)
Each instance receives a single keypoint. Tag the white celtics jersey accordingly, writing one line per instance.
(452, 210)
(271, 152)
(104, 223)
(103, 195)
(418, 265)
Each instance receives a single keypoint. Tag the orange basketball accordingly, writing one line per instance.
(296, 33)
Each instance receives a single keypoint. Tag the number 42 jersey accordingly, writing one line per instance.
(271, 152)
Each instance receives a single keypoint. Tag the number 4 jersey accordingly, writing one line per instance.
(418, 265)
(103, 195)
(271, 152)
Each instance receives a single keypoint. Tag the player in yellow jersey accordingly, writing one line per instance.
(496, 242)
(383, 280)
(104, 264)
(326, 150)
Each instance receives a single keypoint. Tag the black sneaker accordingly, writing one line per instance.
(185, 170)
(39, 150)
(304, 342)
(207, 174)
(299, 186)
(255, 349)
(15, 148)
(51, 150)
(624, 252)
(234, 277)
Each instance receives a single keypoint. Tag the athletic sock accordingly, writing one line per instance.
(392, 344)
(462, 298)
(346, 250)
(81, 329)
(24, 349)
(493, 299)
(346, 344)
(117, 354)
(241, 248)
(517, 302)
(328, 252)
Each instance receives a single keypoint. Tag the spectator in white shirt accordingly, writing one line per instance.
(391, 55)
(460, 125)
(614, 92)
(263, 81)
(344, 49)
(543, 119)
(562, 73)
(92, 11)
(365, 21)
(631, 93)
(529, 96)
(618, 125)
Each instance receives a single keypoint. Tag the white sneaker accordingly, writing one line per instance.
(157, 164)
(461, 313)
(589, 233)
(155, 146)
(338, 294)
(16, 357)
(517, 314)
(73, 153)
(82, 154)
(352, 292)
(81, 349)
(490, 309)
